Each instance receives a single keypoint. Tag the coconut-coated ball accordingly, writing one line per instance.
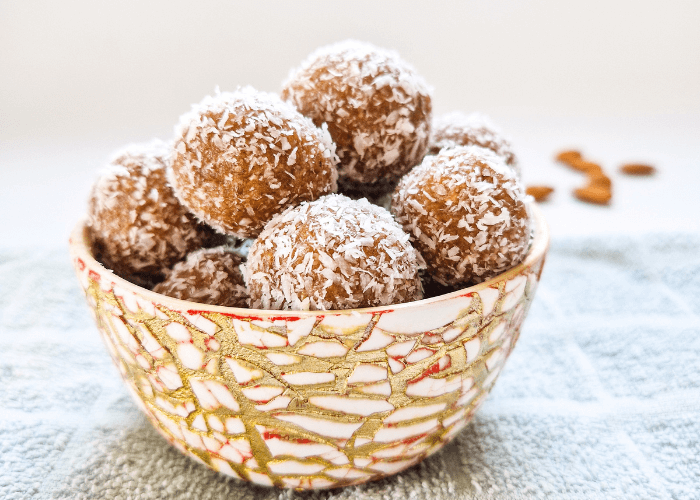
(378, 109)
(459, 129)
(242, 157)
(209, 276)
(332, 253)
(137, 226)
(466, 212)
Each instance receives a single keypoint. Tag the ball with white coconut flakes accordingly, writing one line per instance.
(138, 228)
(466, 212)
(377, 107)
(459, 129)
(332, 253)
(242, 157)
(209, 276)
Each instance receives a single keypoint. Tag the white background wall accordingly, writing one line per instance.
(79, 78)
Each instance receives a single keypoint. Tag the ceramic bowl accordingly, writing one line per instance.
(316, 399)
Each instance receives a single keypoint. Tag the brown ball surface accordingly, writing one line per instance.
(378, 109)
(242, 157)
(465, 210)
(459, 129)
(138, 227)
(209, 276)
(333, 253)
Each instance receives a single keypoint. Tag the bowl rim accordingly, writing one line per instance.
(80, 249)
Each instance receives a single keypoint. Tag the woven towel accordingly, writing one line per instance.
(600, 398)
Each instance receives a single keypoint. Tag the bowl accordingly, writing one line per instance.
(310, 399)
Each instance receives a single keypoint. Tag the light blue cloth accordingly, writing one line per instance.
(600, 399)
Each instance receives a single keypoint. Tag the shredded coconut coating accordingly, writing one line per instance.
(138, 227)
(459, 129)
(333, 253)
(465, 210)
(242, 157)
(378, 109)
(209, 276)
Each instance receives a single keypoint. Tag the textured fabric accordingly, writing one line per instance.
(600, 398)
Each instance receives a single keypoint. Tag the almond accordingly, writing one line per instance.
(600, 180)
(637, 169)
(569, 156)
(585, 166)
(599, 187)
(594, 194)
(539, 193)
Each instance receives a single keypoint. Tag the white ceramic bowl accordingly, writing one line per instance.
(316, 399)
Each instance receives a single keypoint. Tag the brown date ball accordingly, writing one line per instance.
(138, 228)
(459, 129)
(242, 157)
(378, 109)
(208, 276)
(332, 253)
(465, 210)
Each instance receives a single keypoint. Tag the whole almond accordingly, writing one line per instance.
(594, 194)
(568, 156)
(539, 193)
(600, 180)
(637, 169)
(585, 166)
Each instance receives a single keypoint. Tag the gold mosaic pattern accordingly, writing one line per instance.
(311, 402)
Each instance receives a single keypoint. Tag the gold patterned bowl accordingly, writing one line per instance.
(310, 399)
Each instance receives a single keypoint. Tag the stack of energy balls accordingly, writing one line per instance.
(289, 178)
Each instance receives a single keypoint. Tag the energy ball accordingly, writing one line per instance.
(209, 276)
(378, 109)
(465, 210)
(332, 253)
(459, 129)
(138, 227)
(242, 157)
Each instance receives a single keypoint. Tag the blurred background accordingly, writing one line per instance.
(618, 79)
